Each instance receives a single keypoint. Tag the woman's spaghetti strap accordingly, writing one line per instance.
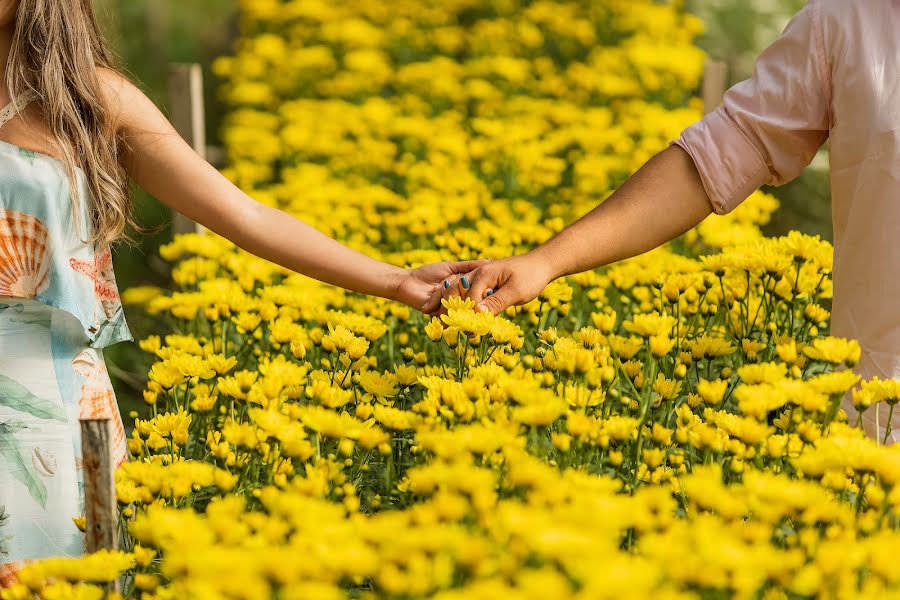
(15, 106)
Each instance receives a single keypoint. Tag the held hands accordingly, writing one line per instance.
(422, 288)
(497, 285)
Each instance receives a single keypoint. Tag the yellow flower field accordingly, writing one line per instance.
(667, 427)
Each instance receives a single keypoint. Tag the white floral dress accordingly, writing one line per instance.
(59, 307)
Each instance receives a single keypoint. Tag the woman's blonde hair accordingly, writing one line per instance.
(56, 50)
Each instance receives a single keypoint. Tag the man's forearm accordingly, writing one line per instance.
(662, 200)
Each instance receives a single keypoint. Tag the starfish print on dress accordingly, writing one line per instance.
(100, 271)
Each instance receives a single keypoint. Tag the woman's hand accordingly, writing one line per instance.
(497, 285)
(422, 288)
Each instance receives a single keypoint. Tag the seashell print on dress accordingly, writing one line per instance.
(101, 272)
(98, 400)
(44, 462)
(24, 254)
(4, 518)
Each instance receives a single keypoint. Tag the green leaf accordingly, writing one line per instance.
(11, 427)
(4, 517)
(22, 470)
(16, 396)
(40, 322)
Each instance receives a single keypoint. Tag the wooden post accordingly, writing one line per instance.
(187, 116)
(99, 485)
(101, 516)
(714, 84)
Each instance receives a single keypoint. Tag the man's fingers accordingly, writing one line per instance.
(465, 266)
(484, 281)
(455, 285)
(450, 286)
(463, 285)
(477, 284)
(499, 301)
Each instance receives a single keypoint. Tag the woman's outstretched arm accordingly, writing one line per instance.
(662, 200)
(163, 164)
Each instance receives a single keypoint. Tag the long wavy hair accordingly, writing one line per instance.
(56, 50)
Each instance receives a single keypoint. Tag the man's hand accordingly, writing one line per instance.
(497, 285)
(422, 288)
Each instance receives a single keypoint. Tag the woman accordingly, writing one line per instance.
(74, 131)
(832, 73)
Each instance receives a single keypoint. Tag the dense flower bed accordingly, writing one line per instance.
(666, 427)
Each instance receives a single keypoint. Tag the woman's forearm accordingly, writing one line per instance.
(163, 164)
(283, 239)
(662, 200)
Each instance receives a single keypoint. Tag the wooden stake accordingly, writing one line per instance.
(99, 485)
(187, 116)
(714, 84)
(99, 488)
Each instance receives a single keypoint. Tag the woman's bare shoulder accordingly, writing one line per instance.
(120, 95)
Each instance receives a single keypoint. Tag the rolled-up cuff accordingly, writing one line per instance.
(730, 166)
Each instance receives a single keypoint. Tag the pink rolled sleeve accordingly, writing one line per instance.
(770, 126)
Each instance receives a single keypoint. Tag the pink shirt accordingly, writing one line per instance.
(834, 73)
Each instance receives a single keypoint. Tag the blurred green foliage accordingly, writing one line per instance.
(149, 34)
(737, 30)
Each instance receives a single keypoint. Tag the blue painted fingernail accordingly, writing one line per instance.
(446, 284)
(489, 292)
(465, 283)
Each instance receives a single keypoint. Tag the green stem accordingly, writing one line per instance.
(887, 426)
